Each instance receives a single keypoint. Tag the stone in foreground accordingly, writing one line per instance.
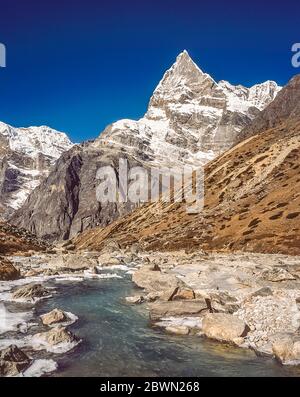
(286, 348)
(13, 361)
(224, 327)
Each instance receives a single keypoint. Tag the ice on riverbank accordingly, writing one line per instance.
(40, 367)
(13, 321)
(189, 322)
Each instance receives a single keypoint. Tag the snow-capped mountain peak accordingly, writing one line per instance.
(262, 94)
(27, 155)
(33, 141)
(191, 117)
(183, 80)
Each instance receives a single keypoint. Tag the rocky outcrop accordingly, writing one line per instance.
(56, 336)
(65, 204)
(54, 317)
(13, 361)
(71, 262)
(8, 271)
(224, 327)
(31, 292)
(178, 330)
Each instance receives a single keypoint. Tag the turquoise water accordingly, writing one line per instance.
(117, 340)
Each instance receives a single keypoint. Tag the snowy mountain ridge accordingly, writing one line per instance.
(27, 155)
(32, 141)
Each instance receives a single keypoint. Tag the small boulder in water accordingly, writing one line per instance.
(54, 317)
(30, 291)
(13, 361)
(135, 300)
(56, 336)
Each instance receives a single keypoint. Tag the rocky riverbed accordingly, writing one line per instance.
(246, 300)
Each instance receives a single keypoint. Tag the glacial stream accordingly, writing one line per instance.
(117, 340)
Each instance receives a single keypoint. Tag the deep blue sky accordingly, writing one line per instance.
(80, 65)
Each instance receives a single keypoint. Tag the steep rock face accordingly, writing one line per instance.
(190, 119)
(26, 157)
(65, 203)
(252, 199)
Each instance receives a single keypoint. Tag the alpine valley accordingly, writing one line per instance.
(118, 289)
(190, 120)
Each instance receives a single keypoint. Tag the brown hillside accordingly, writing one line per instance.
(17, 241)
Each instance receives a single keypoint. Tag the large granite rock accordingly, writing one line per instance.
(153, 281)
(54, 317)
(162, 309)
(286, 348)
(224, 327)
(55, 336)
